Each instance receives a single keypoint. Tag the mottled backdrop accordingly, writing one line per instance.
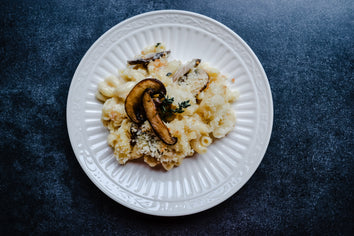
(305, 181)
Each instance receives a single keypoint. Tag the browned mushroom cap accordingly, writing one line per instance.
(133, 106)
(150, 57)
(154, 119)
(185, 69)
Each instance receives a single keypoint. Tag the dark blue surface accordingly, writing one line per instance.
(305, 181)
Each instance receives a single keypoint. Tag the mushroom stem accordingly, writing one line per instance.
(154, 119)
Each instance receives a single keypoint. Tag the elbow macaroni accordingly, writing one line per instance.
(210, 115)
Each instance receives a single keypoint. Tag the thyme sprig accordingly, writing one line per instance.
(181, 106)
(167, 110)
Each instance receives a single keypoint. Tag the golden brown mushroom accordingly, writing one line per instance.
(133, 105)
(154, 119)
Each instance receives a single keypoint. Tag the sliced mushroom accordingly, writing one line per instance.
(149, 57)
(133, 106)
(197, 80)
(204, 78)
(185, 69)
(154, 119)
(200, 78)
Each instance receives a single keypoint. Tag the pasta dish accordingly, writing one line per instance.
(163, 111)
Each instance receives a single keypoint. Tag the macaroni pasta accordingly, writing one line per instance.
(208, 117)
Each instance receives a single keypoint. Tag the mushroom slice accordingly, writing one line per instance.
(203, 78)
(149, 57)
(199, 78)
(133, 106)
(185, 69)
(196, 80)
(154, 119)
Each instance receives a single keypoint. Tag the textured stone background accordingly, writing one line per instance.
(305, 181)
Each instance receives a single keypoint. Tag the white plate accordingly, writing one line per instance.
(202, 181)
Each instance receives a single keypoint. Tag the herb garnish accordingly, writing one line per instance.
(181, 105)
(158, 44)
(166, 109)
(166, 105)
(168, 74)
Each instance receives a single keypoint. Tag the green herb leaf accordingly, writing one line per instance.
(168, 74)
(168, 100)
(185, 104)
(166, 109)
(181, 106)
(158, 44)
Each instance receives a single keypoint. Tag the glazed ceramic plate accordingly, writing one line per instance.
(201, 181)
